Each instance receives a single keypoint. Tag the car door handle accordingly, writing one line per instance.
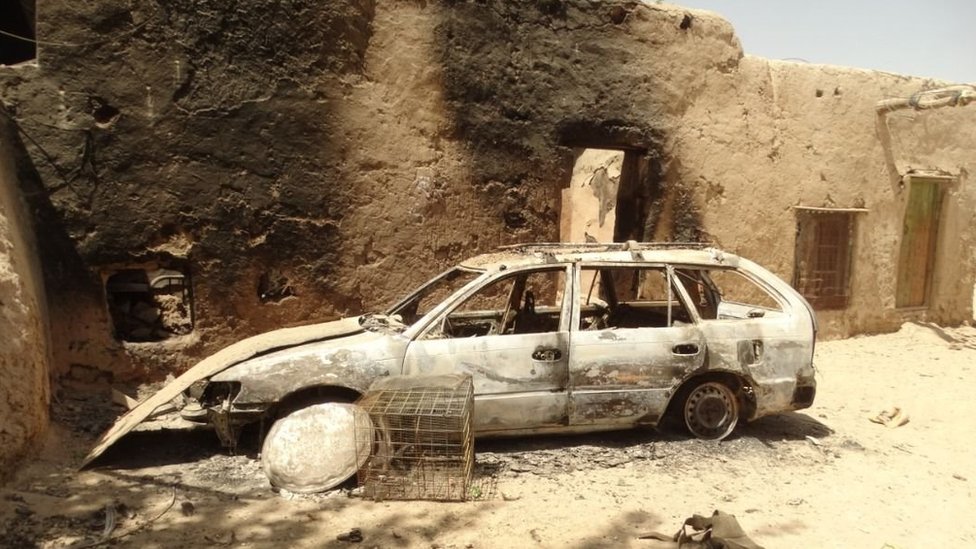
(685, 349)
(547, 355)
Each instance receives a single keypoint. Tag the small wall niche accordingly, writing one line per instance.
(274, 287)
(17, 21)
(149, 304)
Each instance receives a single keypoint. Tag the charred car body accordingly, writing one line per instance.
(556, 338)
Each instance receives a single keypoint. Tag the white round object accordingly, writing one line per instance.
(318, 447)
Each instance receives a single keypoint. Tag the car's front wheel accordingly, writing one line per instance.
(317, 447)
(711, 411)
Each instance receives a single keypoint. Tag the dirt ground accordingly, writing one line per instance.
(824, 477)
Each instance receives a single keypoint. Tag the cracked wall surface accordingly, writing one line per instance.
(305, 160)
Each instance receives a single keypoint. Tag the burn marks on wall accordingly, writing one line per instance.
(527, 82)
(218, 122)
(233, 55)
(274, 286)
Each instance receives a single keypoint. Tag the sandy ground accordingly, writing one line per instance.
(826, 477)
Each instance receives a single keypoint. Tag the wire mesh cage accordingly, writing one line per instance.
(423, 444)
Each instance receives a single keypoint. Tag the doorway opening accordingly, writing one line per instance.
(589, 203)
(604, 200)
(17, 41)
(920, 235)
(610, 195)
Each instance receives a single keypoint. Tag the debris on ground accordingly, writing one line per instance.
(719, 531)
(187, 508)
(354, 536)
(893, 417)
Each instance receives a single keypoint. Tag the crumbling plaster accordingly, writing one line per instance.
(24, 350)
(355, 148)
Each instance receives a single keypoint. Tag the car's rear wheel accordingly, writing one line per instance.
(317, 447)
(711, 411)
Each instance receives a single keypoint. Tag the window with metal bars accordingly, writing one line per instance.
(824, 245)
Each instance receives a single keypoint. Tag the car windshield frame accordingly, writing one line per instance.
(433, 285)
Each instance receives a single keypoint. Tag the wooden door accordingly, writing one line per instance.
(917, 260)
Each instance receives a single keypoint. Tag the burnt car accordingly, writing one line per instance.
(556, 338)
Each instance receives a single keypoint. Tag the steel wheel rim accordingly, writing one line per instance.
(711, 411)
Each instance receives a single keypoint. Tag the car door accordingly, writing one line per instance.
(753, 329)
(512, 336)
(633, 341)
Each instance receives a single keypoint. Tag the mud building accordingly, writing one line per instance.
(186, 173)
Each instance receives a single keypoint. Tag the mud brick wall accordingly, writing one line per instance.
(298, 161)
(24, 350)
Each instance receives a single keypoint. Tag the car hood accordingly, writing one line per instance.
(229, 356)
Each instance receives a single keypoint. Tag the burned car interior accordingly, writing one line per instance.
(646, 297)
(523, 303)
(629, 297)
(619, 296)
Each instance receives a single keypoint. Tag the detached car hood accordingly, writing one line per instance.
(218, 362)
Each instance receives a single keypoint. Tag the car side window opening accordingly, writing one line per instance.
(721, 294)
(527, 302)
(629, 297)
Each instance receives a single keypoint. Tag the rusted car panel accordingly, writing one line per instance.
(556, 338)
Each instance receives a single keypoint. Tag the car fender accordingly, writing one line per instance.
(216, 363)
(353, 362)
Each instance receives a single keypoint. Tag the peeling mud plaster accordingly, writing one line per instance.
(24, 351)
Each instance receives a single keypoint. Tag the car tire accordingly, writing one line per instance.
(710, 411)
(318, 447)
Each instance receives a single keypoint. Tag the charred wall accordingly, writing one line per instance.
(296, 161)
(526, 81)
(191, 134)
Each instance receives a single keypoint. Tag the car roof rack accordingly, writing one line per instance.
(630, 245)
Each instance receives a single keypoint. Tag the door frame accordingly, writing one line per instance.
(904, 252)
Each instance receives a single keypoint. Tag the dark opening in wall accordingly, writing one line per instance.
(587, 212)
(274, 286)
(104, 114)
(17, 20)
(639, 187)
(609, 195)
(149, 305)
